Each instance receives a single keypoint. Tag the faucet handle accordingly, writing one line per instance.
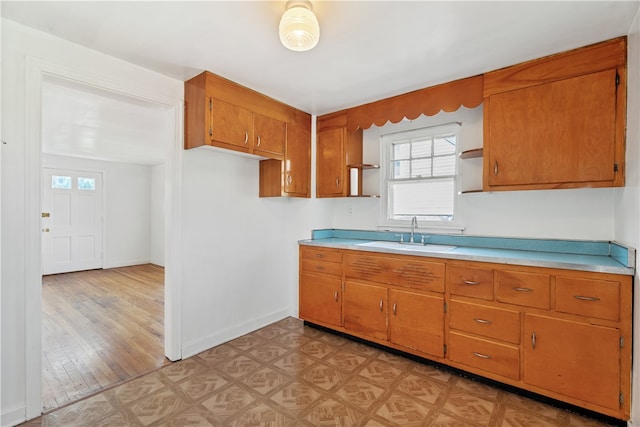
(401, 237)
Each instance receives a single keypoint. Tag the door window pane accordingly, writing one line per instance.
(86, 184)
(61, 182)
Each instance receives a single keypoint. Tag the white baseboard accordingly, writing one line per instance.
(13, 416)
(232, 332)
(125, 263)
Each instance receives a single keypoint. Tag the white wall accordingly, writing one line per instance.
(627, 200)
(240, 263)
(20, 170)
(557, 214)
(127, 231)
(157, 215)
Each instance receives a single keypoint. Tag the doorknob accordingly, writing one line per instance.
(46, 230)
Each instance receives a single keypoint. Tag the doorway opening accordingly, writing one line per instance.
(103, 227)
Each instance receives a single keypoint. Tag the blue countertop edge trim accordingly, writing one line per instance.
(623, 255)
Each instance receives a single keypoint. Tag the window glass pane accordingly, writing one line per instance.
(401, 169)
(61, 182)
(444, 145)
(86, 183)
(421, 168)
(432, 199)
(443, 166)
(401, 151)
(421, 148)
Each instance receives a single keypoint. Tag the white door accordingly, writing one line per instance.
(71, 221)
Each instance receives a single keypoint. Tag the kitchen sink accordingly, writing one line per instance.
(411, 247)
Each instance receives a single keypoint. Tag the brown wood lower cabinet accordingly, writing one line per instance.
(365, 309)
(564, 334)
(416, 321)
(572, 358)
(320, 299)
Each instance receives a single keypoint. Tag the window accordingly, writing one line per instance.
(86, 183)
(61, 182)
(419, 173)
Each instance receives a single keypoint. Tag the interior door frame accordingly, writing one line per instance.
(36, 71)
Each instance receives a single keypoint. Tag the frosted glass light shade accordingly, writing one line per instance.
(299, 27)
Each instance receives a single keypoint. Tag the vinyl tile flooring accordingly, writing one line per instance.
(290, 374)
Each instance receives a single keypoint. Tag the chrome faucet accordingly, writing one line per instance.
(414, 225)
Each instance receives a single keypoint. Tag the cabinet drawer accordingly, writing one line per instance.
(406, 271)
(321, 254)
(324, 267)
(520, 288)
(586, 297)
(490, 322)
(501, 359)
(471, 282)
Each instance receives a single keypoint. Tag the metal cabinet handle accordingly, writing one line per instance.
(482, 356)
(258, 141)
(495, 168)
(380, 304)
(289, 179)
(533, 340)
(395, 306)
(470, 282)
(319, 255)
(246, 137)
(483, 321)
(583, 298)
(518, 289)
(335, 296)
(210, 131)
(337, 182)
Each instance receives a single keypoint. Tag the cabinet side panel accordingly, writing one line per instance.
(195, 114)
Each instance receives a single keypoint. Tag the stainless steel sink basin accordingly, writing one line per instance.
(411, 247)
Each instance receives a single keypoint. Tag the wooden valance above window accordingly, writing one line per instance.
(428, 101)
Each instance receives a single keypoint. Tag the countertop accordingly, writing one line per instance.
(595, 256)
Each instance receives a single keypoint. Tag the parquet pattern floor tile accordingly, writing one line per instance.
(291, 375)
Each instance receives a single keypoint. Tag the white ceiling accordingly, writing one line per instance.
(368, 50)
(79, 121)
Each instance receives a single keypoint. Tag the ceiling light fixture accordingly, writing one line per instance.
(299, 28)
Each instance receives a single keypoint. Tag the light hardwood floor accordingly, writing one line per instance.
(100, 328)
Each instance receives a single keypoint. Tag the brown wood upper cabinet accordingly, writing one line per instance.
(336, 147)
(558, 121)
(223, 114)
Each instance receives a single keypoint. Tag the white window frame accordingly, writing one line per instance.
(386, 141)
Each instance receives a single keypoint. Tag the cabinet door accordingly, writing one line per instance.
(417, 321)
(555, 133)
(365, 309)
(297, 168)
(320, 299)
(269, 136)
(574, 359)
(231, 125)
(330, 163)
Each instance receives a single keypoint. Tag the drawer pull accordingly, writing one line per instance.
(482, 356)
(519, 289)
(483, 321)
(319, 256)
(583, 298)
(380, 304)
(319, 267)
(470, 282)
(335, 296)
(533, 340)
(395, 307)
